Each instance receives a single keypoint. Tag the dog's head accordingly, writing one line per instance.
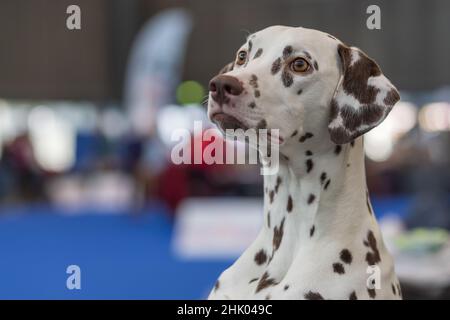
(303, 82)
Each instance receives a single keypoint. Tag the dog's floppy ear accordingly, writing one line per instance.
(363, 97)
(227, 68)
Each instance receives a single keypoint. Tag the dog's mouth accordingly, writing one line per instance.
(226, 121)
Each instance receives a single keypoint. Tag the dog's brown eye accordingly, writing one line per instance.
(299, 65)
(241, 57)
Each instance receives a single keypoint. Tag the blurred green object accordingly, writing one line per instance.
(190, 92)
(422, 240)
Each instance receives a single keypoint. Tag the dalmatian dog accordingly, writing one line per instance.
(319, 238)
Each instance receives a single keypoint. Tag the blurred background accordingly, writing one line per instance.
(86, 118)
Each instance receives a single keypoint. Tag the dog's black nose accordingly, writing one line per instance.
(223, 86)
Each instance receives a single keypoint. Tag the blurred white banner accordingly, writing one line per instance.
(216, 228)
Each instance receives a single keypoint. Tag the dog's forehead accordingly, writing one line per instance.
(299, 38)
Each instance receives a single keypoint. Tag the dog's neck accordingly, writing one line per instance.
(318, 193)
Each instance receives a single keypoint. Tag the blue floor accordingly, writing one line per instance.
(120, 256)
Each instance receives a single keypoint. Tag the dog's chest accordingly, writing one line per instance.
(324, 269)
(295, 256)
(318, 240)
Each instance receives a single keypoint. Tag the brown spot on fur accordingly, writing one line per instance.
(308, 153)
(289, 204)
(311, 198)
(372, 257)
(334, 110)
(393, 289)
(258, 53)
(327, 184)
(306, 136)
(357, 74)
(371, 293)
(271, 195)
(253, 280)
(391, 97)
(265, 282)
(337, 149)
(262, 124)
(276, 66)
(311, 231)
(323, 176)
(260, 257)
(287, 79)
(278, 183)
(340, 135)
(309, 165)
(287, 52)
(268, 219)
(278, 235)
(338, 268)
(257, 94)
(313, 296)
(253, 81)
(217, 285)
(252, 105)
(250, 46)
(299, 91)
(346, 256)
(286, 287)
(364, 115)
(353, 296)
(294, 133)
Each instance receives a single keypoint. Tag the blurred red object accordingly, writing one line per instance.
(186, 180)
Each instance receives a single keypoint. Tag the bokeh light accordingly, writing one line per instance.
(190, 92)
(52, 138)
(435, 117)
(379, 142)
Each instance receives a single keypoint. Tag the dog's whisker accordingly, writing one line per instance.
(248, 33)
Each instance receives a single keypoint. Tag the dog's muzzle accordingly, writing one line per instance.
(223, 87)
